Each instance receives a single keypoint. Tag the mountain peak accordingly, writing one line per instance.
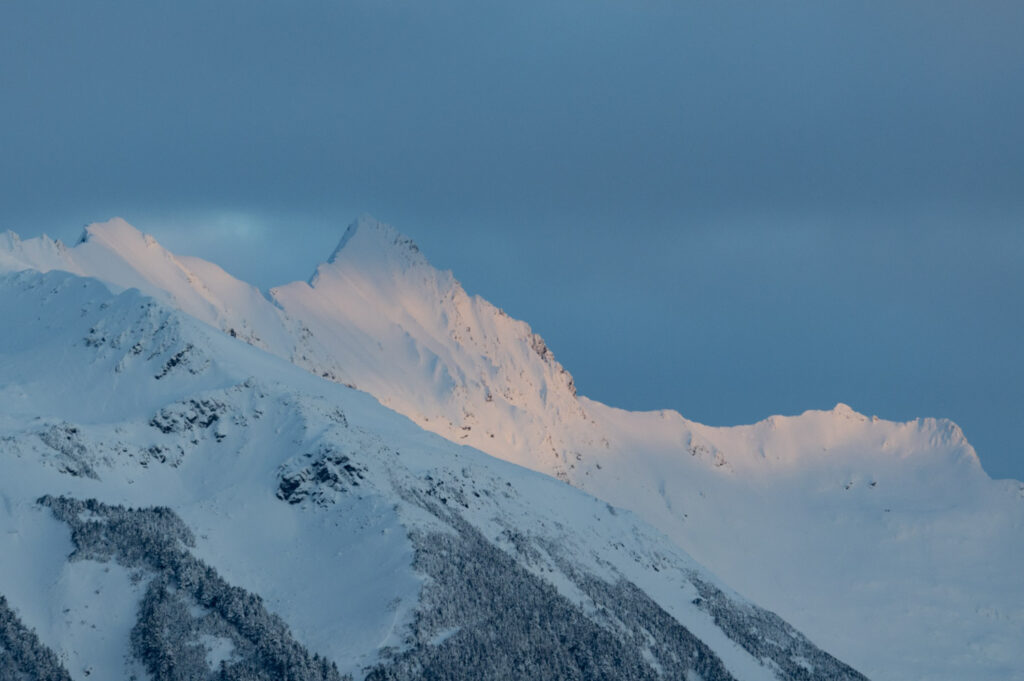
(842, 409)
(367, 235)
(114, 231)
(369, 244)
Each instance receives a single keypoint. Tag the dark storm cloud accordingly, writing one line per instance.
(729, 208)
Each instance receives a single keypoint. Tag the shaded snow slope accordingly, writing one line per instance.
(172, 500)
(886, 541)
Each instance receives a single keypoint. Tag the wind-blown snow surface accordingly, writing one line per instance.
(300, 525)
(886, 542)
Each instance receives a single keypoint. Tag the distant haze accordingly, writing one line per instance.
(729, 209)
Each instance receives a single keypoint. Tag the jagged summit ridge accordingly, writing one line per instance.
(376, 296)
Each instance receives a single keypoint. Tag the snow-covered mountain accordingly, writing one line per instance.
(885, 542)
(175, 504)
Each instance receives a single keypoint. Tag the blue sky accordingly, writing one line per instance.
(732, 209)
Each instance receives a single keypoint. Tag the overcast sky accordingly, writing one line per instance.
(729, 209)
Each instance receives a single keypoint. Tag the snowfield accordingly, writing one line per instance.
(886, 544)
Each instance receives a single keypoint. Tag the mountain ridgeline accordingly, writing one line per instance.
(192, 489)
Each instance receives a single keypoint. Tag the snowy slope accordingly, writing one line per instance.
(410, 335)
(124, 257)
(886, 541)
(376, 316)
(305, 530)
